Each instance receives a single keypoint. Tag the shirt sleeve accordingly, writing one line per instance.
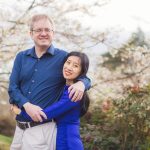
(15, 94)
(86, 81)
(58, 108)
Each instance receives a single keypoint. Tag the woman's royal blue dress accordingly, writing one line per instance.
(67, 116)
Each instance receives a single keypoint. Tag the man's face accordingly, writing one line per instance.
(42, 33)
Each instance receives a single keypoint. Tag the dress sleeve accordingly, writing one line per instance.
(58, 108)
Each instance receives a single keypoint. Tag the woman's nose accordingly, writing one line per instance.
(69, 67)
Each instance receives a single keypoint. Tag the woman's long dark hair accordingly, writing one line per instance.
(84, 68)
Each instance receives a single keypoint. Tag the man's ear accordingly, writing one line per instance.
(31, 34)
(53, 34)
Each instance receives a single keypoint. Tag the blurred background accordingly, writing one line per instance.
(115, 34)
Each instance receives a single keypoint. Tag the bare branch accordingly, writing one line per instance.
(121, 78)
(4, 73)
(4, 87)
(4, 81)
(28, 9)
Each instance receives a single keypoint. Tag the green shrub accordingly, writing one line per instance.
(126, 126)
(5, 142)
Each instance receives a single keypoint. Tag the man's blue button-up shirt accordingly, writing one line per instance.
(38, 80)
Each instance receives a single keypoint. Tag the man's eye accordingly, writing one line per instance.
(38, 30)
(47, 30)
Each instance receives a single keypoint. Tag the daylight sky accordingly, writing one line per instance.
(125, 16)
(126, 13)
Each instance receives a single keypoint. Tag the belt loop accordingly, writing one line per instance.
(29, 124)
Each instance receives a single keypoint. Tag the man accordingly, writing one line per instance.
(36, 82)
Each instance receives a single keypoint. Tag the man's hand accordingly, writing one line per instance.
(35, 112)
(76, 91)
(11, 107)
(15, 109)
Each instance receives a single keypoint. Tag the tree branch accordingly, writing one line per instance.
(4, 87)
(121, 78)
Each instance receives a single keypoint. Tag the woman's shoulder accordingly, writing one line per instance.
(65, 94)
(65, 91)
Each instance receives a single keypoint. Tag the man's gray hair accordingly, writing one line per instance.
(38, 17)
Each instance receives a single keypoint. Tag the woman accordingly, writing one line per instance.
(65, 112)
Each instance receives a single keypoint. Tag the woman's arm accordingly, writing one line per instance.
(59, 108)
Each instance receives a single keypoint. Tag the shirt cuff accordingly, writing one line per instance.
(22, 102)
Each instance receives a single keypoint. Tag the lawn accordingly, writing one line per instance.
(5, 142)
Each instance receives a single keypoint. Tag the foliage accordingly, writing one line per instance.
(124, 67)
(132, 119)
(5, 139)
(125, 126)
(5, 142)
(7, 125)
(7, 120)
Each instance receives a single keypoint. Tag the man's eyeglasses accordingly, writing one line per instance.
(39, 31)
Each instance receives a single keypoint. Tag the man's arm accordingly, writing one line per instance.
(57, 109)
(77, 89)
(86, 81)
(15, 94)
(16, 97)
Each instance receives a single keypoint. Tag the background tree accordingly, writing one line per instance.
(123, 68)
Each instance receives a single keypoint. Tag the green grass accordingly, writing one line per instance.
(5, 142)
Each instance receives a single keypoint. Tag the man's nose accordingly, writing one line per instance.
(43, 32)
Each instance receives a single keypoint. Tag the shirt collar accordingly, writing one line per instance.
(31, 52)
(50, 50)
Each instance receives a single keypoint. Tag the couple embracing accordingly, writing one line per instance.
(48, 92)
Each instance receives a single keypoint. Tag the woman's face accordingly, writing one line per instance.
(72, 68)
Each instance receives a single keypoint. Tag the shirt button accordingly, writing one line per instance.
(35, 69)
(33, 81)
(29, 92)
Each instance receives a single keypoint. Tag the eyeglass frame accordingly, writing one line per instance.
(39, 31)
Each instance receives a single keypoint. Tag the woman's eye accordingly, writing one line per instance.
(67, 62)
(76, 66)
